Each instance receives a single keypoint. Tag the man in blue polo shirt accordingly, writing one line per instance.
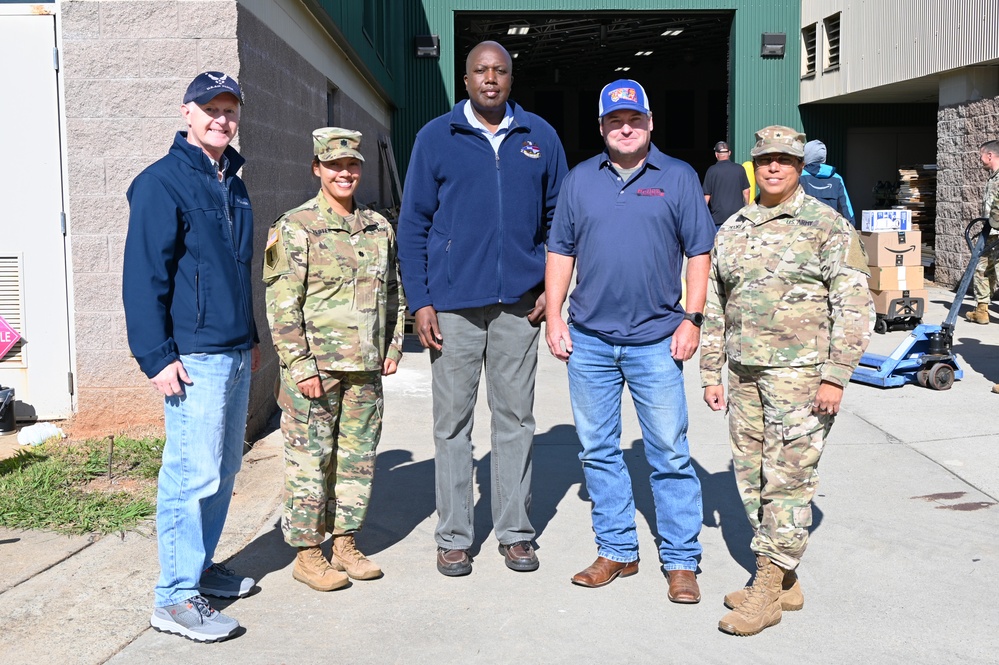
(625, 219)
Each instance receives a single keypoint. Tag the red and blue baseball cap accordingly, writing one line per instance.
(623, 94)
(208, 85)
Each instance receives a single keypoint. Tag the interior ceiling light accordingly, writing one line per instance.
(514, 54)
(622, 69)
(518, 29)
(672, 33)
(643, 53)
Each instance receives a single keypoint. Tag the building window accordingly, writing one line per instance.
(331, 91)
(373, 26)
(808, 51)
(830, 32)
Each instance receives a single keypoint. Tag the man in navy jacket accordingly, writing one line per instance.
(189, 316)
(479, 197)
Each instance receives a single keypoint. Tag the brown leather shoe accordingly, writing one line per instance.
(604, 571)
(683, 587)
(520, 556)
(453, 563)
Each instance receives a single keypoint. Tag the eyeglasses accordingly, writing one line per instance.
(766, 160)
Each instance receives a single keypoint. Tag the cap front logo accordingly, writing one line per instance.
(624, 93)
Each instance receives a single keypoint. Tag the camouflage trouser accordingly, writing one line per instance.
(985, 279)
(326, 494)
(776, 445)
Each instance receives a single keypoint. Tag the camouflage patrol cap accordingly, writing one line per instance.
(331, 143)
(778, 138)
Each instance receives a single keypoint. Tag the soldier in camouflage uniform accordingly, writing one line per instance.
(986, 274)
(789, 309)
(335, 307)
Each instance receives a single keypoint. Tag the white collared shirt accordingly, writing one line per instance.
(494, 138)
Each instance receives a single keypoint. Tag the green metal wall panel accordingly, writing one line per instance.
(381, 50)
(763, 90)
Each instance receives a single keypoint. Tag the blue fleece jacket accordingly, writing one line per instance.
(822, 182)
(186, 275)
(473, 223)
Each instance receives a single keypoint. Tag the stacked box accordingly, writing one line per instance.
(895, 261)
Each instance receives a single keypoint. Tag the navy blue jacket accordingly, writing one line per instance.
(822, 182)
(473, 224)
(186, 277)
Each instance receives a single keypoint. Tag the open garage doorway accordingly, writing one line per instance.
(563, 59)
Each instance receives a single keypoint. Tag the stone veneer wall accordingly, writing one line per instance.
(961, 129)
(126, 64)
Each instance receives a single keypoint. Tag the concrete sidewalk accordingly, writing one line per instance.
(903, 564)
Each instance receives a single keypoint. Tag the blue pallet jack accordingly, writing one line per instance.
(925, 356)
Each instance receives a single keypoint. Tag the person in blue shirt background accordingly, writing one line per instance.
(821, 181)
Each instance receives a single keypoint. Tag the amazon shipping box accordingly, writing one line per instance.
(892, 248)
(903, 278)
(882, 300)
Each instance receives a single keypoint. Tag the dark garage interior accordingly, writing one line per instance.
(563, 59)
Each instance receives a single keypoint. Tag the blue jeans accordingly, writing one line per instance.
(597, 374)
(204, 449)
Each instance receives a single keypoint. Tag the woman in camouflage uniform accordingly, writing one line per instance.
(336, 311)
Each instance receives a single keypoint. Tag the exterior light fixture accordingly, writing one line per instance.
(773, 45)
(427, 46)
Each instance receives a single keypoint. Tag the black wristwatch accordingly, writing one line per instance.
(695, 317)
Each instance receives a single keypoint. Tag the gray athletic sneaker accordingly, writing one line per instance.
(194, 619)
(222, 582)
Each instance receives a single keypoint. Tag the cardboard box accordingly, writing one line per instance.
(886, 220)
(898, 248)
(901, 277)
(883, 298)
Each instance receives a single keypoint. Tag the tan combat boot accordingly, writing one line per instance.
(312, 568)
(791, 598)
(346, 556)
(980, 314)
(761, 609)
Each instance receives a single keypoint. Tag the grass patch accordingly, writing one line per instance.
(64, 486)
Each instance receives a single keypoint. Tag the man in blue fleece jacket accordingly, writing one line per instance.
(189, 317)
(480, 193)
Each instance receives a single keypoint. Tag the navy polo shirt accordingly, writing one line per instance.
(629, 240)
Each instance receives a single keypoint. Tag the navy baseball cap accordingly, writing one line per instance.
(623, 94)
(207, 86)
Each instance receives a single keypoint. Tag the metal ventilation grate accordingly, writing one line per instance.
(830, 56)
(808, 51)
(10, 306)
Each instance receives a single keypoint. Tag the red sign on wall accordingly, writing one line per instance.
(8, 337)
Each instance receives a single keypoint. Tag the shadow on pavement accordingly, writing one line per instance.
(979, 356)
(555, 469)
(402, 497)
(264, 555)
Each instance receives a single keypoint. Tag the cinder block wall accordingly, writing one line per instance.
(961, 129)
(126, 65)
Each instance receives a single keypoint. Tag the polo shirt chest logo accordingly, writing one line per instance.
(651, 191)
(530, 150)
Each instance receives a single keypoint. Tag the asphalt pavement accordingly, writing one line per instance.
(902, 565)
